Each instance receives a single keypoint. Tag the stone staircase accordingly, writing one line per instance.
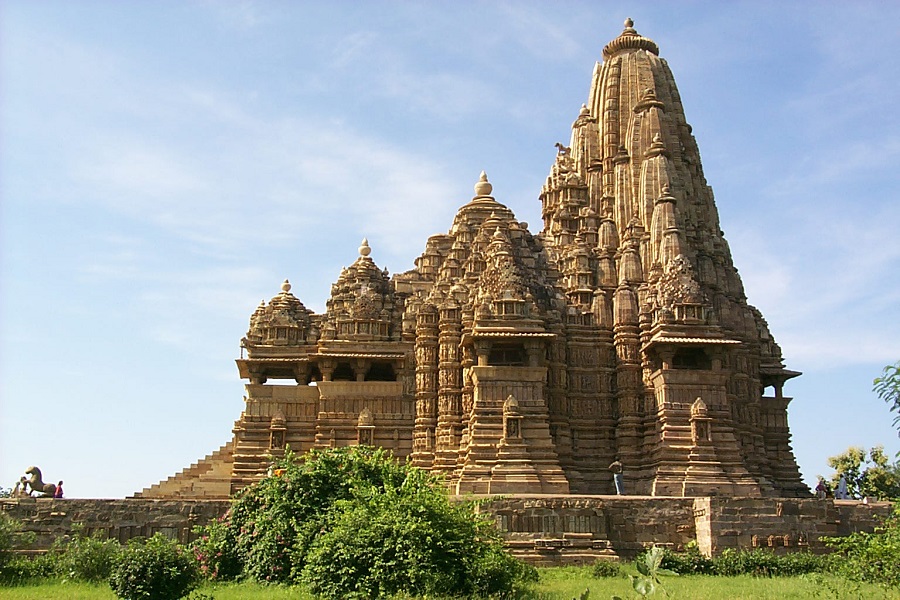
(208, 478)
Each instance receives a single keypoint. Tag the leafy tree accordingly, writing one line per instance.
(868, 474)
(887, 387)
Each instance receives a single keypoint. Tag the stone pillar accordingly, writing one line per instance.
(449, 425)
(426, 387)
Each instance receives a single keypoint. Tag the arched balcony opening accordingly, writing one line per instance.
(381, 371)
(343, 372)
(691, 358)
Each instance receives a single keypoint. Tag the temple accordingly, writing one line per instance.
(520, 363)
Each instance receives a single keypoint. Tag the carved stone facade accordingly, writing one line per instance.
(519, 363)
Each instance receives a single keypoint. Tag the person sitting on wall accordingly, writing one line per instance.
(59, 491)
(821, 490)
(616, 468)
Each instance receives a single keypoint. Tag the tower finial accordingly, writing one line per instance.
(483, 187)
(629, 39)
(364, 249)
(286, 286)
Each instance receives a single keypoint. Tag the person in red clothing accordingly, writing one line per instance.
(59, 491)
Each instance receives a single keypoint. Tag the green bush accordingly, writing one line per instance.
(353, 521)
(273, 523)
(85, 558)
(155, 569)
(871, 557)
(14, 569)
(411, 539)
(605, 568)
(215, 552)
(689, 562)
(21, 570)
(747, 562)
(9, 531)
(759, 562)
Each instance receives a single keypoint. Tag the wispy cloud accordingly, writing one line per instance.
(205, 165)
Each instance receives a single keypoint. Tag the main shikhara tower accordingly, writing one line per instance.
(518, 363)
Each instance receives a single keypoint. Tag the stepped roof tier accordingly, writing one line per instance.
(513, 362)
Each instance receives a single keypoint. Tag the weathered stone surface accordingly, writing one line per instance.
(545, 529)
(621, 331)
(122, 520)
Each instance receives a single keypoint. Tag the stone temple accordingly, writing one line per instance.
(521, 363)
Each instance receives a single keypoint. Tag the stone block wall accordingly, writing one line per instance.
(553, 530)
(122, 520)
(780, 524)
(542, 529)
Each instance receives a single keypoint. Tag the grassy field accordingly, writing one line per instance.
(565, 583)
(555, 584)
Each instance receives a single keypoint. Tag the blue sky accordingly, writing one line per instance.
(164, 166)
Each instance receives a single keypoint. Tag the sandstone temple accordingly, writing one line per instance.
(515, 362)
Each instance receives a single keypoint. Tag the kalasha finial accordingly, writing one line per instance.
(483, 187)
(364, 249)
(629, 40)
(286, 286)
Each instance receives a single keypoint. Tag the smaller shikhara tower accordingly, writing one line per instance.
(517, 363)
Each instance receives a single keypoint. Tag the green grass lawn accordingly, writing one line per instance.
(563, 583)
(569, 582)
(84, 591)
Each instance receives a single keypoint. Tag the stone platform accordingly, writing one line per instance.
(542, 529)
(554, 530)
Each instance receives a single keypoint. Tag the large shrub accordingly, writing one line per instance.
(872, 557)
(354, 522)
(216, 551)
(155, 569)
(85, 558)
(273, 523)
(409, 538)
(21, 570)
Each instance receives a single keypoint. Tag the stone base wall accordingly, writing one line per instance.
(781, 524)
(554, 530)
(544, 530)
(122, 520)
